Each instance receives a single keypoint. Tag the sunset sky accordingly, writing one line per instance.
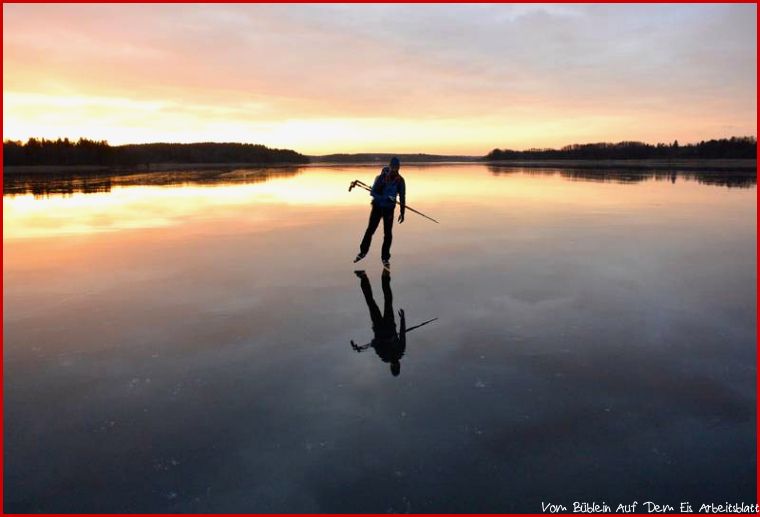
(449, 79)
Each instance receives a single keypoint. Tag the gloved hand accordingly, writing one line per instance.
(401, 218)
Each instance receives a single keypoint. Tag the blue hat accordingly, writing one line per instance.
(395, 162)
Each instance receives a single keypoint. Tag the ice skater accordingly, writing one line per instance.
(387, 185)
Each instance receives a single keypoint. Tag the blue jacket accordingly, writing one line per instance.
(383, 187)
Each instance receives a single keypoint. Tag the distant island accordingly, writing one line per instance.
(42, 155)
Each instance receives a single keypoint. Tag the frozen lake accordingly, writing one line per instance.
(182, 343)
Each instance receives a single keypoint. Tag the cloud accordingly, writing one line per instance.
(689, 68)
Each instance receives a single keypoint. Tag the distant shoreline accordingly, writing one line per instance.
(685, 165)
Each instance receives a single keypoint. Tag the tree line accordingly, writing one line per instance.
(732, 148)
(63, 152)
(99, 152)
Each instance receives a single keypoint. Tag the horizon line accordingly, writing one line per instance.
(74, 140)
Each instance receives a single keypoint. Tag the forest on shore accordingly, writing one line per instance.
(728, 148)
(65, 152)
(86, 152)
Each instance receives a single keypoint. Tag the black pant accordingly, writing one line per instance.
(386, 214)
(387, 319)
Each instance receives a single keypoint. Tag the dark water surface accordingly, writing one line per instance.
(184, 343)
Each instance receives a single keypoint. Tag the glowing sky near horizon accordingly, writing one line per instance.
(451, 79)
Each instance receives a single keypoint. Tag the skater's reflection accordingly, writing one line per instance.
(388, 343)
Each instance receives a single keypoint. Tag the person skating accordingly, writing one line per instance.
(387, 186)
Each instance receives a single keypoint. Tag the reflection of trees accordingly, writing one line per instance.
(739, 179)
(67, 184)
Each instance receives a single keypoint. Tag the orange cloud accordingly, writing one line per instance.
(322, 79)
